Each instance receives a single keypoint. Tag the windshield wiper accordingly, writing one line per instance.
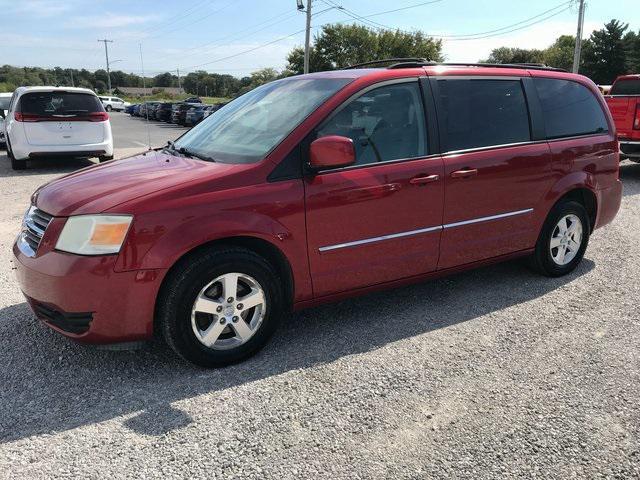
(171, 147)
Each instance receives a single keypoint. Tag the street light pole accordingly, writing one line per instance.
(106, 54)
(578, 47)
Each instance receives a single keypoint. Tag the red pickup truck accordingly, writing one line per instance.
(624, 103)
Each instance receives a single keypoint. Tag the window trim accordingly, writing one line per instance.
(573, 135)
(429, 153)
(533, 126)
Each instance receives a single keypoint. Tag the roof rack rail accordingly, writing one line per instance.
(529, 66)
(387, 60)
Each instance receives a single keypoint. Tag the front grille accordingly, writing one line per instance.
(35, 224)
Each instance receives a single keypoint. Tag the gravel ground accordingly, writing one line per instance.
(492, 373)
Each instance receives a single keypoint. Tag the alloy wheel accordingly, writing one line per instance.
(566, 239)
(228, 311)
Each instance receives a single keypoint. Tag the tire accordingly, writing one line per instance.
(15, 164)
(108, 108)
(105, 158)
(551, 261)
(195, 278)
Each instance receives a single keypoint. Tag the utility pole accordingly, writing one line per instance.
(71, 73)
(578, 48)
(179, 86)
(106, 54)
(307, 38)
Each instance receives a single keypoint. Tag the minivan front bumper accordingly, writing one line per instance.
(84, 299)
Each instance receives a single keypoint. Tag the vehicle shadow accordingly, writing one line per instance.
(630, 176)
(50, 384)
(44, 166)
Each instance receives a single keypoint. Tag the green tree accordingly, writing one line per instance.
(560, 53)
(632, 51)
(338, 46)
(605, 57)
(515, 55)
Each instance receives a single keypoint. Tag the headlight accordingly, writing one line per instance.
(94, 234)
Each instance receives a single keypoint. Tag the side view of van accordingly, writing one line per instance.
(319, 187)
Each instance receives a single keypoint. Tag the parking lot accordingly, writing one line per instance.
(488, 373)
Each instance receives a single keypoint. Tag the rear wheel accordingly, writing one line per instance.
(15, 164)
(563, 240)
(108, 108)
(220, 307)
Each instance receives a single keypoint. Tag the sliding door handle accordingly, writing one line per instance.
(465, 173)
(423, 180)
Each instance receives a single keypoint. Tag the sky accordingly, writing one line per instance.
(240, 36)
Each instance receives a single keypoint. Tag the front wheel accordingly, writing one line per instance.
(220, 307)
(563, 240)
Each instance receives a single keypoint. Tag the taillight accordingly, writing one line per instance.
(636, 120)
(98, 116)
(27, 117)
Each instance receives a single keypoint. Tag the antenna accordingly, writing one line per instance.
(144, 89)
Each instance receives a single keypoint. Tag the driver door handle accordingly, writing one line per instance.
(423, 180)
(465, 173)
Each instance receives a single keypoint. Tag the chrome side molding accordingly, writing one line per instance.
(422, 230)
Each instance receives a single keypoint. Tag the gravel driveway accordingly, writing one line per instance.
(492, 373)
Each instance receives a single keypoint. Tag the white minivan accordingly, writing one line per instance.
(56, 122)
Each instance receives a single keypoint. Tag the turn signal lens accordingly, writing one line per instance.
(94, 234)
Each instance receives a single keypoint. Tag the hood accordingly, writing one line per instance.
(100, 187)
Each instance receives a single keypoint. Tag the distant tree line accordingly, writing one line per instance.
(607, 53)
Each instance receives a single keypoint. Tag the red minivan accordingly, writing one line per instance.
(319, 187)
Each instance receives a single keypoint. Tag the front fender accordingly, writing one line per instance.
(272, 212)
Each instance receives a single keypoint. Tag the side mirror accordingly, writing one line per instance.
(332, 151)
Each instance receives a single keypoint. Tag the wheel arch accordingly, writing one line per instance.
(264, 248)
(587, 198)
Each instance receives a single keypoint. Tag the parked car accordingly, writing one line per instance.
(135, 111)
(196, 114)
(624, 102)
(163, 113)
(56, 122)
(114, 103)
(193, 100)
(5, 98)
(130, 109)
(147, 108)
(319, 187)
(179, 112)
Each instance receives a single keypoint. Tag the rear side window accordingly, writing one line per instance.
(569, 109)
(59, 103)
(386, 123)
(481, 113)
(629, 86)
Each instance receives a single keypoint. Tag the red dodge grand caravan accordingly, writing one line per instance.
(319, 187)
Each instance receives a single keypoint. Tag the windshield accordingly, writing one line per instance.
(248, 128)
(626, 87)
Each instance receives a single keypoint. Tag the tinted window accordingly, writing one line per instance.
(481, 113)
(569, 108)
(626, 87)
(59, 103)
(386, 123)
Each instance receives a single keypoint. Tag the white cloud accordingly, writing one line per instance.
(538, 36)
(109, 20)
(42, 8)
